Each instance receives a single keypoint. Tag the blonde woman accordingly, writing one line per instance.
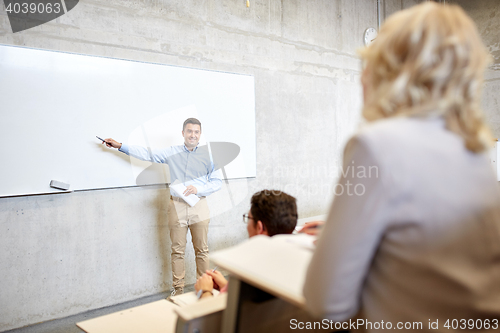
(415, 244)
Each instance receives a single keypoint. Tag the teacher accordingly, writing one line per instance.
(193, 166)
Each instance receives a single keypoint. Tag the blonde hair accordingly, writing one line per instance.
(429, 60)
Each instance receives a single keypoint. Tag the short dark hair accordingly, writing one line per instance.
(193, 121)
(276, 210)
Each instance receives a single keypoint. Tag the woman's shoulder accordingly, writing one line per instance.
(402, 126)
(393, 138)
(399, 131)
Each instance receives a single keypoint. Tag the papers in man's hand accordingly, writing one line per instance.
(179, 189)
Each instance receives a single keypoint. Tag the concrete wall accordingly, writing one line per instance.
(389, 7)
(67, 253)
(486, 15)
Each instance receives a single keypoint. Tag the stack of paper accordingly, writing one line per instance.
(179, 189)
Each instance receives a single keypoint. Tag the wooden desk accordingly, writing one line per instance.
(202, 316)
(155, 317)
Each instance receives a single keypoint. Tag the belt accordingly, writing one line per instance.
(179, 199)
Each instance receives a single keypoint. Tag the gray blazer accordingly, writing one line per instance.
(419, 240)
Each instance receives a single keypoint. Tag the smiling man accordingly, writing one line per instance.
(193, 166)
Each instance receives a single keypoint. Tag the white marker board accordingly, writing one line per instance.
(53, 104)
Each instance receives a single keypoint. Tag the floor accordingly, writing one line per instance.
(68, 324)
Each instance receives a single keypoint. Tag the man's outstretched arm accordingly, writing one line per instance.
(141, 153)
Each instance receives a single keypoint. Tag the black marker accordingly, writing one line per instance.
(100, 139)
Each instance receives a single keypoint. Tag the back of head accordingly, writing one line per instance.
(429, 60)
(276, 210)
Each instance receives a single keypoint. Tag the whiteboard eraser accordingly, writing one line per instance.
(59, 185)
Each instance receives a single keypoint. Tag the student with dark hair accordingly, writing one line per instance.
(271, 213)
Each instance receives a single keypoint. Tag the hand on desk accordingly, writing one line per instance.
(218, 279)
(209, 281)
(204, 282)
(312, 228)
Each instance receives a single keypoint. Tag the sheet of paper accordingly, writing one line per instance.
(179, 189)
(188, 298)
(302, 240)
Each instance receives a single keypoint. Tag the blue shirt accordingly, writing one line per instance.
(189, 167)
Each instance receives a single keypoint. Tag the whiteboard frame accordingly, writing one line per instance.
(52, 132)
